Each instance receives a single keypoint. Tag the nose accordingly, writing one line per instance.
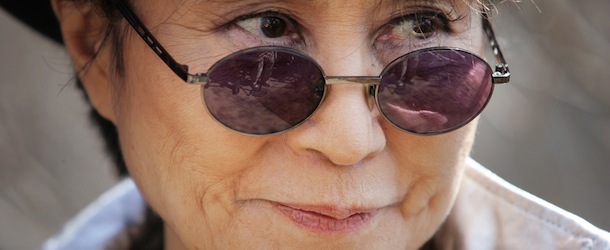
(345, 129)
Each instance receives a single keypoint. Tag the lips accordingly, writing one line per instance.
(325, 219)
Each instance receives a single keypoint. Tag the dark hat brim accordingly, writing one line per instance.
(37, 14)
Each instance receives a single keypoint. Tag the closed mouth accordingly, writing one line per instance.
(325, 219)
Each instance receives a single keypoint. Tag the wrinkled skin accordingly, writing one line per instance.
(218, 189)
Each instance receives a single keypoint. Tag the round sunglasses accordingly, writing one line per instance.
(269, 89)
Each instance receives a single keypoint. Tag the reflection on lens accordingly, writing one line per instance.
(263, 91)
(434, 91)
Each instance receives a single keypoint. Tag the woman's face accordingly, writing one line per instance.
(346, 178)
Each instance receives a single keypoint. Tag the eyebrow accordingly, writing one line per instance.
(396, 2)
(253, 3)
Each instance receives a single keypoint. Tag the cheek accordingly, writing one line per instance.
(432, 167)
(171, 145)
(430, 155)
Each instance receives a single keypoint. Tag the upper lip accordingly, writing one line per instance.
(332, 211)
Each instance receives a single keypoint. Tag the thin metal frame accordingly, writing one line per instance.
(500, 75)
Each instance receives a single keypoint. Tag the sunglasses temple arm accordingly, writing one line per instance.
(179, 69)
(501, 73)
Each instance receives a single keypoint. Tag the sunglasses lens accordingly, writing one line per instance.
(263, 91)
(434, 91)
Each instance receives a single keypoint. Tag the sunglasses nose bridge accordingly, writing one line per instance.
(369, 82)
(353, 79)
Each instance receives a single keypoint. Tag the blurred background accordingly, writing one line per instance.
(548, 131)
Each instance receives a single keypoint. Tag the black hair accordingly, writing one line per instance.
(149, 234)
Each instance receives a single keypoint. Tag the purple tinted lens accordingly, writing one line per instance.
(434, 91)
(263, 90)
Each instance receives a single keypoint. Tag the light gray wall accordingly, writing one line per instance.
(548, 131)
(51, 161)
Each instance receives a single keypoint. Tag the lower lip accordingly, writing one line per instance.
(322, 223)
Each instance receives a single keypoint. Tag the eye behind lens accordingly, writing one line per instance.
(436, 90)
(279, 88)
